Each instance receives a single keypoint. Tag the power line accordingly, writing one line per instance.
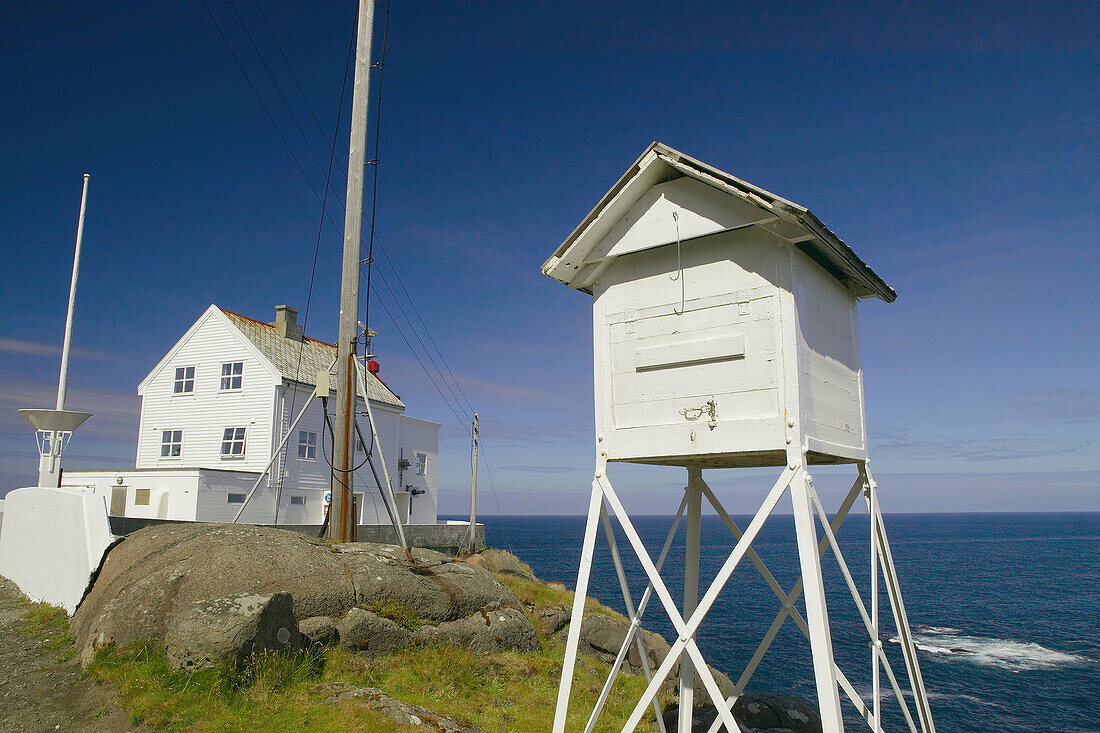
(267, 111)
(294, 77)
(278, 89)
(325, 215)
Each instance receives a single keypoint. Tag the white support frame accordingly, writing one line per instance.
(809, 513)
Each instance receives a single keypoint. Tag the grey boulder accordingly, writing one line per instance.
(777, 711)
(232, 629)
(157, 572)
(317, 630)
(436, 588)
(363, 631)
(402, 713)
(551, 620)
(505, 563)
(602, 637)
(486, 631)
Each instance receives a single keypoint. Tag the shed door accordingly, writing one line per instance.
(118, 501)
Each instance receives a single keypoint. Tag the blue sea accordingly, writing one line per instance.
(1005, 609)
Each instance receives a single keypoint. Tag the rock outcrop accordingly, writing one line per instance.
(363, 631)
(757, 713)
(602, 637)
(169, 576)
(231, 629)
(486, 631)
(402, 713)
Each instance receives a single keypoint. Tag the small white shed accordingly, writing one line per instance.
(707, 290)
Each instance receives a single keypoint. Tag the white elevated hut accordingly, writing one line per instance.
(725, 335)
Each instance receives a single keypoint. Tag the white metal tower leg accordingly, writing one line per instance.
(691, 592)
(901, 621)
(817, 615)
(594, 505)
(876, 636)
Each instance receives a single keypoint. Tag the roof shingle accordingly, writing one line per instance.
(300, 361)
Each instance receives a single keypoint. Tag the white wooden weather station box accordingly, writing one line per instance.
(725, 335)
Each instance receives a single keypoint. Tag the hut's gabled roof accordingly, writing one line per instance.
(580, 259)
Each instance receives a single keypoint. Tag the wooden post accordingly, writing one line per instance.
(343, 453)
(473, 494)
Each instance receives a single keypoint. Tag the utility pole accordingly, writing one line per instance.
(343, 454)
(473, 494)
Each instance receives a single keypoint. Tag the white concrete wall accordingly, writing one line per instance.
(213, 498)
(204, 414)
(173, 493)
(421, 436)
(51, 542)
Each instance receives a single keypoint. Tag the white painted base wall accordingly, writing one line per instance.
(202, 495)
(51, 541)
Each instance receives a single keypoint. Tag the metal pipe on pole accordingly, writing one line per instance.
(473, 494)
(340, 524)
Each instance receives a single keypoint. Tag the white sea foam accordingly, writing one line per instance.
(953, 644)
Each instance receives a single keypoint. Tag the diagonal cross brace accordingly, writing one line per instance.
(686, 630)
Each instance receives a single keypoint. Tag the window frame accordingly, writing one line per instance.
(183, 382)
(240, 498)
(307, 451)
(421, 463)
(234, 376)
(229, 437)
(173, 440)
(297, 500)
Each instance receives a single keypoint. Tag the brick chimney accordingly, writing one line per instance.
(286, 322)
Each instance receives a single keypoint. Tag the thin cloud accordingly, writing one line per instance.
(34, 348)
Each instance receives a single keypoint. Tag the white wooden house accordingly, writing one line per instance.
(217, 405)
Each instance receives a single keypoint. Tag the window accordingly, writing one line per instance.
(185, 380)
(232, 374)
(298, 500)
(171, 443)
(233, 443)
(421, 464)
(307, 445)
(141, 497)
(235, 498)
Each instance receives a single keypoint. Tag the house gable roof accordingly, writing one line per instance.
(300, 361)
(580, 259)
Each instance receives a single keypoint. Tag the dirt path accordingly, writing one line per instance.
(37, 693)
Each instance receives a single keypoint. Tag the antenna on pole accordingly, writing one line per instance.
(341, 519)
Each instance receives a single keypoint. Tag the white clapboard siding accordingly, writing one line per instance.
(204, 414)
(668, 346)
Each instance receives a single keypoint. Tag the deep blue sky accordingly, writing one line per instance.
(953, 146)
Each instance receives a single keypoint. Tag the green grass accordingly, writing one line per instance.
(496, 692)
(508, 691)
(540, 595)
(272, 694)
(50, 626)
(394, 611)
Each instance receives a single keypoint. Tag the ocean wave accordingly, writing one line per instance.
(953, 644)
